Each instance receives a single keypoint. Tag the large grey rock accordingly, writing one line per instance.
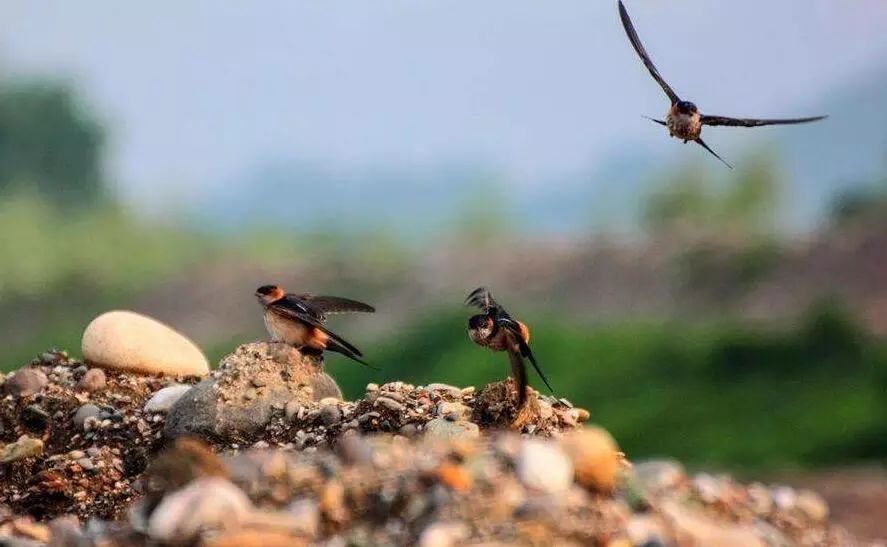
(238, 401)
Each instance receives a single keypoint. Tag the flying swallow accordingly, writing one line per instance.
(495, 329)
(684, 121)
(298, 320)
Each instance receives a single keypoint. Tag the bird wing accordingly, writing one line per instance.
(645, 57)
(335, 304)
(701, 143)
(293, 308)
(482, 298)
(751, 122)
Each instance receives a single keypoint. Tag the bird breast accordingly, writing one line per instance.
(687, 127)
(287, 330)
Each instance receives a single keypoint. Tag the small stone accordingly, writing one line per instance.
(251, 394)
(388, 403)
(439, 428)
(330, 415)
(124, 340)
(207, 503)
(291, 410)
(595, 457)
(34, 418)
(258, 382)
(659, 475)
(708, 488)
(25, 382)
(93, 451)
(86, 464)
(443, 534)
(784, 497)
(84, 413)
(93, 380)
(372, 387)
(452, 391)
(24, 447)
(76, 454)
(163, 400)
(812, 506)
(468, 391)
(543, 466)
(306, 516)
(408, 430)
(451, 411)
(582, 415)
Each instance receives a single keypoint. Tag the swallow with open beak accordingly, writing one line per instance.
(495, 329)
(298, 320)
(684, 121)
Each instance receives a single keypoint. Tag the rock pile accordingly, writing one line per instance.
(265, 452)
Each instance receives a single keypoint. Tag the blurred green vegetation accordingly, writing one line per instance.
(50, 142)
(729, 395)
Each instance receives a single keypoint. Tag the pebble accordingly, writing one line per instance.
(93, 380)
(76, 454)
(388, 403)
(659, 475)
(25, 382)
(451, 411)
(305, 515)
(330, 415)
(163, 400)
(595, 457)
(207, 503)
(35, 418)
(84, 413)
(125, 340)
(86, 464)
(291, 410)
(24, 447)
(446, 388)
(708, 488)
(443, 534)
(543, 466)
(440, 428)
(812, 505)
(784, 497)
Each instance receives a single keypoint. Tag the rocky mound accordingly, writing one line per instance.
(265, 452)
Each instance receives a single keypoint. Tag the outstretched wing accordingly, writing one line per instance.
(751, 122)
(335, 304)
(642, 53)
(294, 308)
(701, 143)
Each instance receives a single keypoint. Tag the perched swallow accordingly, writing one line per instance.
(495, 329)
(297, 319)
(684, 121)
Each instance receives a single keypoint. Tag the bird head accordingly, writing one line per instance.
(686, 107)
(269, 293)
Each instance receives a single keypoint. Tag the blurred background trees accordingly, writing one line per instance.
(50, 143)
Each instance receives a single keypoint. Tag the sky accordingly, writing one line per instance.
(196, 92)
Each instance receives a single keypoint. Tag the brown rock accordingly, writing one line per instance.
(25, 382)
(596, 458)
(93, 380)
